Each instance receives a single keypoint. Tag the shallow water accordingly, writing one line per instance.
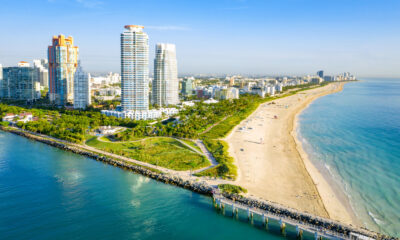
(355, 135)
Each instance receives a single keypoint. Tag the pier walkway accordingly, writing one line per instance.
(222, 203)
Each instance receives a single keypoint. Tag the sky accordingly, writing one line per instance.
(271, 37)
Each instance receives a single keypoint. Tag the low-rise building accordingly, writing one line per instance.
(141, 114)
(22, 117)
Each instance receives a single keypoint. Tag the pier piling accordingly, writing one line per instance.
(299, 232)
(283, 226)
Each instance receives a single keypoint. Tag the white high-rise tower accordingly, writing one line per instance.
(134, 69)
(82, 97)
(165, 82)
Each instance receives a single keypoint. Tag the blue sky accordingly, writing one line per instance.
(219, 36)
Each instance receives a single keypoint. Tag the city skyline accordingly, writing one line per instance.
(283, 38)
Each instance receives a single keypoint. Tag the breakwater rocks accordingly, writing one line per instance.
(304, 218)
(195, 186)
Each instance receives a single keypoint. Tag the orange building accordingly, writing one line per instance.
(63, 61)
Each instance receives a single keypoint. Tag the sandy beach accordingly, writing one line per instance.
(272, 164)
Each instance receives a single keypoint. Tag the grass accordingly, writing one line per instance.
(229, 188)
(105, 139)
(225, 169)
(160, 151)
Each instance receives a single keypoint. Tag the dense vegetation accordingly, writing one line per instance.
(232, 189)
(160, 151)
(70, 125)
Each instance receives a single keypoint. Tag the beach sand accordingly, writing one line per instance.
(272, 164)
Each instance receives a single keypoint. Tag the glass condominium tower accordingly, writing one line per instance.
(63, 61)
(165, 83)
(134, 69)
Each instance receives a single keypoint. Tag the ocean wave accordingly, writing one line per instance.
(378, 221)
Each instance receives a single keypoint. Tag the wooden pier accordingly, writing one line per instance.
(222, 203)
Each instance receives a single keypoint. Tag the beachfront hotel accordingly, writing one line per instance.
(165, 82)
(63, 61)
(134, 69)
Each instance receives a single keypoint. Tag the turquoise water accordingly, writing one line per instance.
(355, 135)
(46, 193)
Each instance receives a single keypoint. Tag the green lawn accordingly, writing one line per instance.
(161, 151)
(105, 139)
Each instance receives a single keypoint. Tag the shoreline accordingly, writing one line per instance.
(277, 168)
(323, 180)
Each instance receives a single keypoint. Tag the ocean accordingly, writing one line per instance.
(354, 136)
(47, 193)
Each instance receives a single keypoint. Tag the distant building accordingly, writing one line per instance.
(42, 66)
(328, 78)
(165, 85)
(271, 91)
(210, 101)
(259, 91)
(316, 80)
(200, 93)
(82, 98)
(63, 60)
(20, 83)
(231, 82)
(279, 87)
(320, 74)
(141, 114)
(187, 86)
(188, 104)
(134, 69)
(227, 93)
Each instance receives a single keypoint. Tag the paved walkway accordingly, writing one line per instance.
(207, 153)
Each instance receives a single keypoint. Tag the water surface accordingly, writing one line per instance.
(355, 135)
(47, 193)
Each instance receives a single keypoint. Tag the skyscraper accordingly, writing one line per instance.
(134, 69)
(320, 74)
(42, 67)
(187, 86)
(165, 82)
(63, 60)
(82, 97)
(20, 83)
